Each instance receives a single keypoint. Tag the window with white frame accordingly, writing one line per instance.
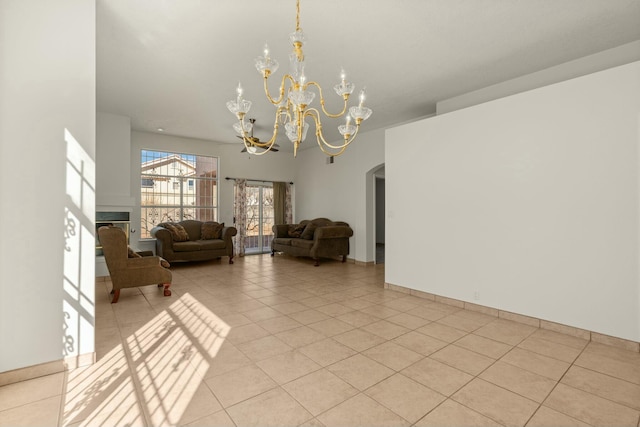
(175, 186)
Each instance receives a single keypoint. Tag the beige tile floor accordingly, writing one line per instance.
(278, 342)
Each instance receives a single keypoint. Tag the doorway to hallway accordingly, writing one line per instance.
(379, 216)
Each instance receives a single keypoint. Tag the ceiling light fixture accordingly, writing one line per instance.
(293, 109)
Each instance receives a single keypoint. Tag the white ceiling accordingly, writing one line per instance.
(174, 63)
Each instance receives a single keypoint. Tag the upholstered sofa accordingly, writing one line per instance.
(316, 238)
(192, 240)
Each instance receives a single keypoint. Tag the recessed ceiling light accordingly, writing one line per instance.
(160, 129)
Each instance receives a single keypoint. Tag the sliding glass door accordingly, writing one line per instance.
(259, 217)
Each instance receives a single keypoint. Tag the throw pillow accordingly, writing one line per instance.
(211, 230)
(309, 231)
(178, 233)
(295, 230)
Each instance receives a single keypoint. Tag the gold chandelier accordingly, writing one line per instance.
(293, 104)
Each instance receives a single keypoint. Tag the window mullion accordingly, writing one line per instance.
(177, 186)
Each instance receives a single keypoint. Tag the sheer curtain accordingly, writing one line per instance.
(288, 205)
(282, 207)
(240, 215)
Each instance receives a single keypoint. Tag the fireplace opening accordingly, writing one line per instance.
(115, 219)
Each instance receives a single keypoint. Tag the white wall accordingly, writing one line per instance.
(47, 147)
(528, 203)
(621, 55)
(113, 154)
(269, 167)
(344, 190)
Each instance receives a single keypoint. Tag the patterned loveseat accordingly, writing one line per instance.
(317, 238)
(192, 240)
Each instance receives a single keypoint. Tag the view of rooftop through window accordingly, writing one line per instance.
(175, 186)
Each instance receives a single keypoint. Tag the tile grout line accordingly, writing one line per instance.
(560, 380)
(539, 404)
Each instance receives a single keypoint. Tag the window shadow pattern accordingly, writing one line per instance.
(151, 378)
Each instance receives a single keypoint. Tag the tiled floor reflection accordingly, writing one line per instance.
(278, 342)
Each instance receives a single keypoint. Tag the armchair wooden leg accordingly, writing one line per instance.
(344, 258)
(273, 252)
(116, 295)
(167, 291)
(231, 259)
(317, 262)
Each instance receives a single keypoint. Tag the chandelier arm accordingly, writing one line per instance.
(326, 113)
(281, 90)
(248, 142)
(284, 111)
(270, 143)
(346, 143)
(258, 153)
(315, 114)
(329, 153)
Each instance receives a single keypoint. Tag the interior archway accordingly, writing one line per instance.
(375, 213)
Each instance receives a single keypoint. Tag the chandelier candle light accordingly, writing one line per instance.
(293, 109)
